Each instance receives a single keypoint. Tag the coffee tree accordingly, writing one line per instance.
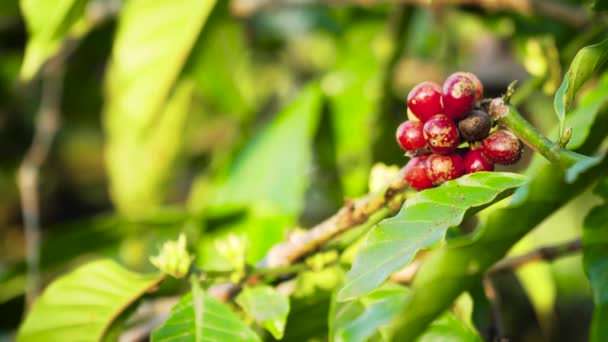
(235, 171)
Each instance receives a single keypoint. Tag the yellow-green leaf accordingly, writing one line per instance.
(82, 305)
(48, 23)
(268, 307)
(143, 118)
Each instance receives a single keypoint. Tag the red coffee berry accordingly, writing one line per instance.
(475, 161)
(425, 100)
(458, 96)
(475, 126)
(477, 82)
(441, 134)
(416, 173)
(502, 147)
(442, 168)
(410, 137)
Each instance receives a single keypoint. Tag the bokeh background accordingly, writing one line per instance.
(261, 118)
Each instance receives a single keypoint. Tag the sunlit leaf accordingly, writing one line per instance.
(133, 190)
(422, 222)
(268, 307)
(595, 261)
(48, 23)
(199, 317)
(587, 61)
(143, 118)
(82, 305)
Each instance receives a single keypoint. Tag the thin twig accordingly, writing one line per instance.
(27, 175)
(547, 253)
(47, 124)
(368, 210)
(572, 16)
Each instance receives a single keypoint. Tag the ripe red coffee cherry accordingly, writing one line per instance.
(475, 126)
(410, 137)
(502, 147)
(441, 134)
(443, 168)
(416, 173)
(425, 100)
(475, 161)
(477, 82)
(458, 96)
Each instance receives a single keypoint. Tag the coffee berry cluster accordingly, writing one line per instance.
(449, 134)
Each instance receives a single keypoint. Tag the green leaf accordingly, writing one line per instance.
(355, 91)
(595, 261)
(458, 267)
(422, 222)
(266, 306)
(136, 192)
(144, 120)
(372, 318)
(199, 317)
(82, 305)
(270, 175)
(48, 23)
(582, 119)
(449, 329)
(581, 166)
(586, 62)
(361, 319)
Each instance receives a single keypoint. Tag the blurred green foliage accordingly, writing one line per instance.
(244, 128)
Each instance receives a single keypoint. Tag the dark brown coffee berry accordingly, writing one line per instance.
(476, 126)
(441, 134)
(416, 173)
(410, 137)
(475, 161)
(424, 100)
(458, 96)
(443, 168)
(502, 147)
